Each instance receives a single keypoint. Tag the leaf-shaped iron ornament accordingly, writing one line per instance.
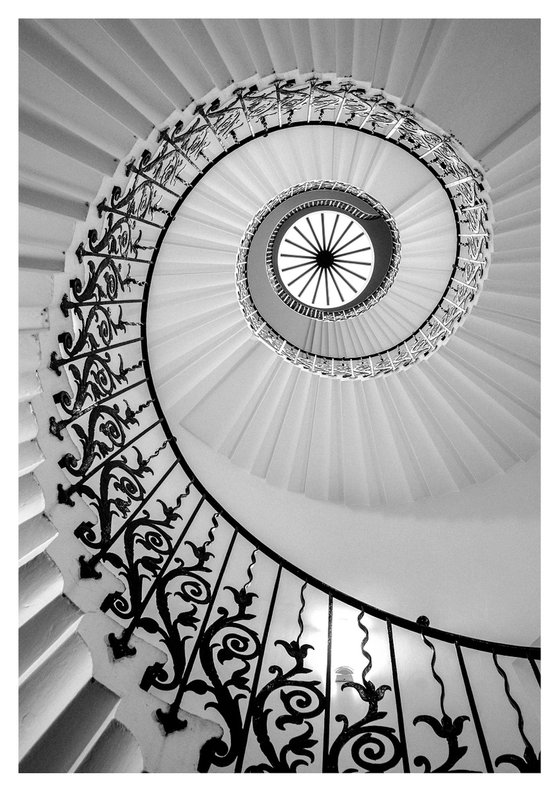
(302, 701)
(529, 762)
(228, 645)
(373, 747)
(169, 592)
(448, 729)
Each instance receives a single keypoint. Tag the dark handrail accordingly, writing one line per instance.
(442, 635)
(166, 561)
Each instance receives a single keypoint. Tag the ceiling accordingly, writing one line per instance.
(458, 418)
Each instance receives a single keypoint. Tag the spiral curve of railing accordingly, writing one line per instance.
(250, 639)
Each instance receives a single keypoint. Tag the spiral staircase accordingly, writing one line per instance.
(151, 153)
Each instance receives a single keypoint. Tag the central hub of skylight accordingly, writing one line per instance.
(330, 252)
(325, 259)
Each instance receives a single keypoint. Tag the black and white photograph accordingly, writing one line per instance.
(279, 392)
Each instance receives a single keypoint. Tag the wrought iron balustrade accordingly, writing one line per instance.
(251, 639)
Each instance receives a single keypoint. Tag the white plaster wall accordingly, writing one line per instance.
(468, 560)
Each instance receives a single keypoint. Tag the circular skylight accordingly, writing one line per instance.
(325, 259)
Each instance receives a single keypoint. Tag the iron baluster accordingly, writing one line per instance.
(342, 103)
(235, 642)
(56, 362)
(102, 207)
(106, 431)
(64, 494)
(151, 533)
(169, 172)
(201, 112)
(278, 103)
(106, 327)
(301, 702)
(369, 665)
(239, 93)
(120, 645)
(310, 91)
(170, 719)
(195, 590)
(137, 202)
(529, 762)
(536, 670)
(445, 139)
(87, 566)
(106, 280)
(465, 285)
(366, 119)
(398, 702)
(368, 741)
(116, 240)
(328, 692)
(164, 136)
(82, 253)
(120, 477)
(446, 728)
(72, 306)
(394, 128)
(474, 711)
(256, 678)
(96, 381)
(131, 168)
(56, 427)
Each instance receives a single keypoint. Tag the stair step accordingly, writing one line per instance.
(39, 583)
(51, 688)
(41, 635)
(69, 738)
(116, 751)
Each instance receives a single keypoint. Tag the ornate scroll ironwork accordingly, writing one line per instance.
(446, 728)
(128, 470)
(189, 583)
(369, 742)
(300, 701)
(228, 640)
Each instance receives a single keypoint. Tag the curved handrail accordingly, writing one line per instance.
(467, 641)
(102, 289)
